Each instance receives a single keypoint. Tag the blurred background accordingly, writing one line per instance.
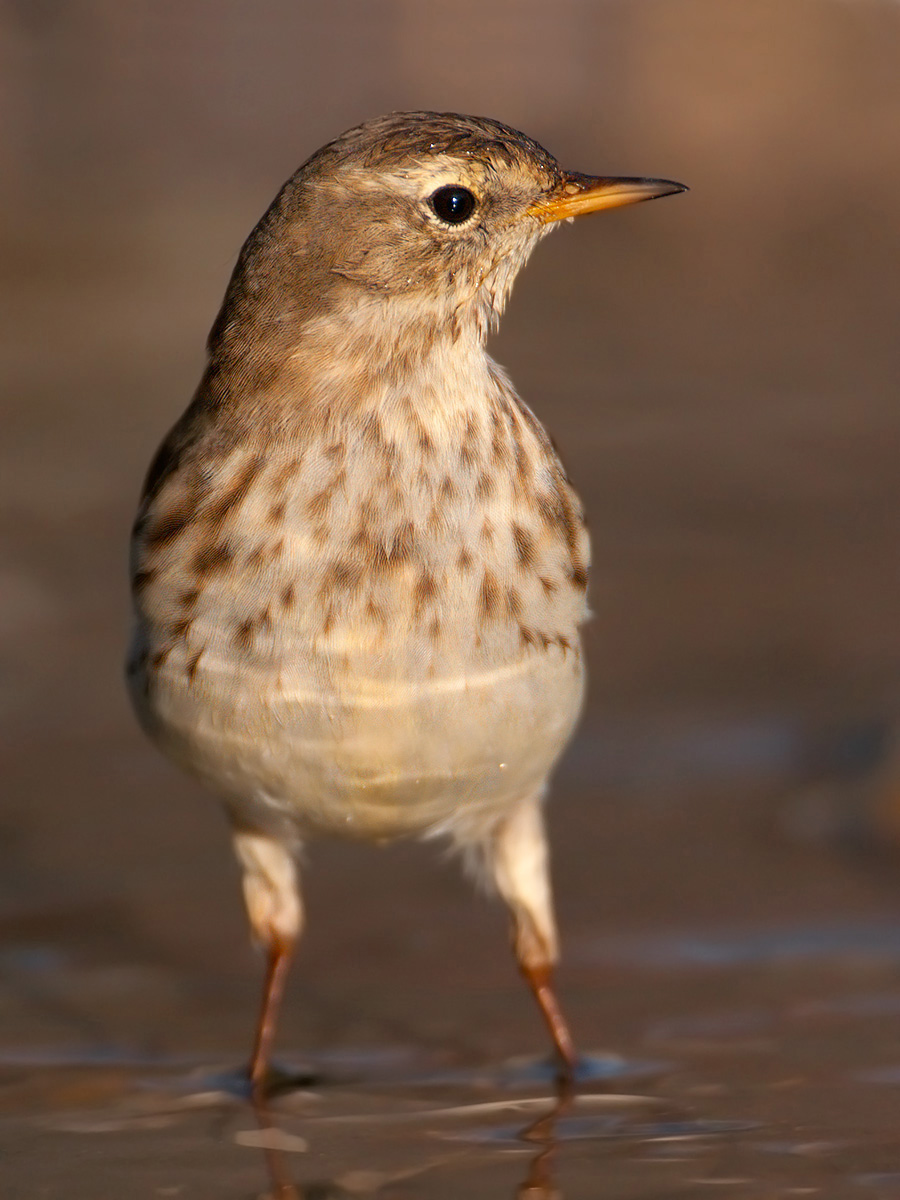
(720, 372)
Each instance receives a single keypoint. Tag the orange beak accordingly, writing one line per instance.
(579, 194)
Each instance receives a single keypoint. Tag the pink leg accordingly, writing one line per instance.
(518, 860)
(272, 896)
(540, 980)
(278, 962)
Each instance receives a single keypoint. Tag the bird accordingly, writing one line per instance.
(358, 567)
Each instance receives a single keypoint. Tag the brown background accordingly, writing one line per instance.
(720, 371)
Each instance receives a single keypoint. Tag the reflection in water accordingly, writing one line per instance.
(563, 1118)
(537, 1184)
(274, 1143)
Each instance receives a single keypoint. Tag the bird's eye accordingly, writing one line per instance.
(453, 204)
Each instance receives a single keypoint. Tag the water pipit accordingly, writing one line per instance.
(359, 568)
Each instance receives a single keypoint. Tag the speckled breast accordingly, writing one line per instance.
(364, 636)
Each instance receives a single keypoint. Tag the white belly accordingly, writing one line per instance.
(363, 752)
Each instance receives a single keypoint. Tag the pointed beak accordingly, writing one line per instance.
(579, 194)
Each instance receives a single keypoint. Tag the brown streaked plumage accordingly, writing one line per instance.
(358, 566)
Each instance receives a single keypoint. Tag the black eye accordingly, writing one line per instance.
(453, 204)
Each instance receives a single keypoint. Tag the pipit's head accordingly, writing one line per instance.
(436, 209)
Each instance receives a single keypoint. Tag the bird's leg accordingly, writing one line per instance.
(518, 858)
(540, 980)
(272, 896)
(278, 960)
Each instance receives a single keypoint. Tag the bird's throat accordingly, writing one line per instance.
(383, 351)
